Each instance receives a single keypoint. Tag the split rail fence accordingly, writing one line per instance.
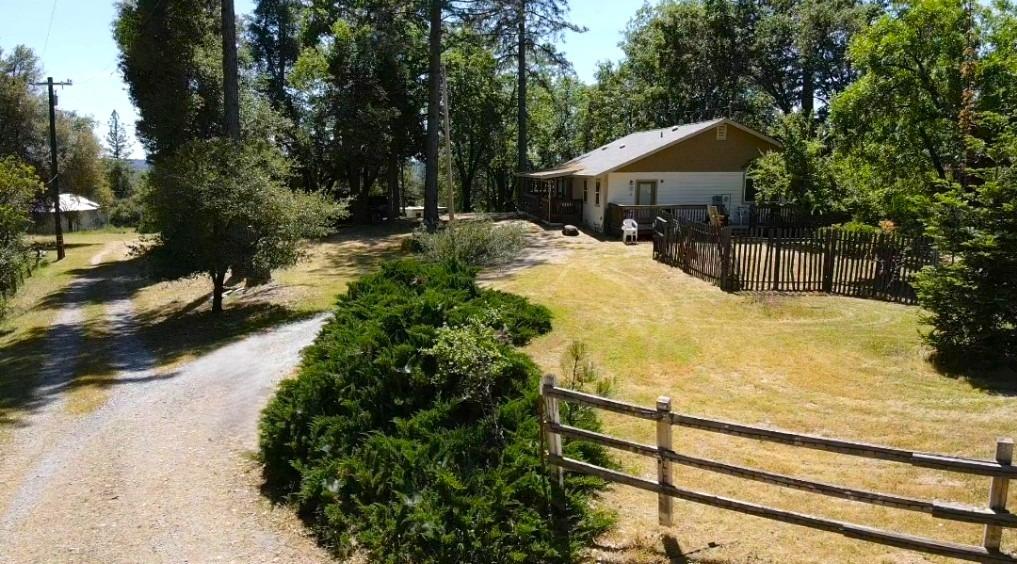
(786, 259)
(995, 517)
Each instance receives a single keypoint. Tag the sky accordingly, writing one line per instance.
(74, 41)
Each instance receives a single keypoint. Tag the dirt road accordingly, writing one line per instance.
(163, 471)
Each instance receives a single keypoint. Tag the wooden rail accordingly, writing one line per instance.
(645, 215)
(995, 518)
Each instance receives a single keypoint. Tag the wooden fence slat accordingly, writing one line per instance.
(965, 552)
(942, 511)
(605, 440)
(854, 448)
(603, 403)
(866, 450)
(997, 517)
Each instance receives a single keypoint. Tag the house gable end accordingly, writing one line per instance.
(704, 152)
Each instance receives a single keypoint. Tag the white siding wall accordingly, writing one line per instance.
(679, 187)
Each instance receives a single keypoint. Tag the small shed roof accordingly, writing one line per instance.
(69, 203)
(634, 147)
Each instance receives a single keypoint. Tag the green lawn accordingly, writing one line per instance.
(835, 366)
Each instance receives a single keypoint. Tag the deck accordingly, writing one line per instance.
(645, 215)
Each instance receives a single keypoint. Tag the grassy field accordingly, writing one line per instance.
(834, 366)
(839, 367)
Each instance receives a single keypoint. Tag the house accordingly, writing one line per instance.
(676, 170)
(77, 213)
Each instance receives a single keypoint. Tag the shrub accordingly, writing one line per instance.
(972, 302)
(18, 185)
(411, 432)
(126, 213)
(475, 243)
(221, 208)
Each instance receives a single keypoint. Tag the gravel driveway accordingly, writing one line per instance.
(162, 472)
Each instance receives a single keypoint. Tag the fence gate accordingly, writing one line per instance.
(994, 517)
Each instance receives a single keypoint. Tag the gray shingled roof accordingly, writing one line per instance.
(633, 147)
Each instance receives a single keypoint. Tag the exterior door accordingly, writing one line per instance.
(646, 193)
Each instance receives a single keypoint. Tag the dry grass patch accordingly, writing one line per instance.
(835, 366)
(175, 317)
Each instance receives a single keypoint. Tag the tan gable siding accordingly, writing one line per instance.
(703, 153)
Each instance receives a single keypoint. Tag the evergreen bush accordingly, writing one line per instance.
(412, 431)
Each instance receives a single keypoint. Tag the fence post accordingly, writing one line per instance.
(551, 416)
(725, 259)
(665, 476)
(997, 494)
(775, 245)
(828, 260)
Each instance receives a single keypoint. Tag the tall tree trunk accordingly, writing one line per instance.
(231, 91)
(359, 193)
(392, 174)
(467, 198)
(218, 288)
(433, 105)
(522, 141)
(808, 88)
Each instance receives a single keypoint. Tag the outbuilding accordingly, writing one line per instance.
(77, 213)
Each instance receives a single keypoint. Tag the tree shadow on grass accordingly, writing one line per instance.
(44, 363)
(996, 380)
(669, 549)
(193, 331)
(47, 362)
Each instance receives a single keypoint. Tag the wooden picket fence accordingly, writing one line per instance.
(995, 517)
(789, 259)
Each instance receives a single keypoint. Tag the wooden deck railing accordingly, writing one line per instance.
(552, 209)
(995, 517)
(645, 215)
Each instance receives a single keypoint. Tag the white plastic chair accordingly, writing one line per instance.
(630, 229)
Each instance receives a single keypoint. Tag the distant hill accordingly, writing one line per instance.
(139, 166)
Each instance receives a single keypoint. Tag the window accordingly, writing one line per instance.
(596, 194)
(750, 190)
(586, 192)
(722, 132)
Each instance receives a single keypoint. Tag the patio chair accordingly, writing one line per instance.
(630, 229)
(717, 215)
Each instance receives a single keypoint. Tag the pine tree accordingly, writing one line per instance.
(118, 144)
(523, 30)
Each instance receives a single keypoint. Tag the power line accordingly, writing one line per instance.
(49, 28)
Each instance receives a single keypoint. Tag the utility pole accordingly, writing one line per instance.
(448, 146)
(58, 228)
(231, 91)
